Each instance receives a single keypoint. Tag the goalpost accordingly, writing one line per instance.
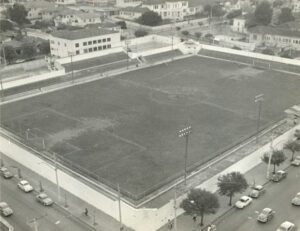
(261, 64)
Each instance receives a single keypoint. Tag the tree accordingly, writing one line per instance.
(185, 33)
(277, 3)
(9, 54)
(234, 14)
(277, 158)
(140, 33)
(231, 183)
(17, 13)
(268, 51)
(5, 25)
(29, 50)
(200, 202)
(263, 13)
(44, 47)
(198, 35)
(293, 146)
(285, 15)
(150, 18)
(122, 24)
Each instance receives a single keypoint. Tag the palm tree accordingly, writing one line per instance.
(277, 158)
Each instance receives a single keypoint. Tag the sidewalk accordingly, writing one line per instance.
(96, 219)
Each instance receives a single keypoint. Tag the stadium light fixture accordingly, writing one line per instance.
(185, 133)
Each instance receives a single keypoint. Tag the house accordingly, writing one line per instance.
(275, 37)
(128, 3)
(76, 18)
(295, 5)
(65, 2)
(132, 13)
(169, 9)
(35, 8)
(65, 43)
(239, 24)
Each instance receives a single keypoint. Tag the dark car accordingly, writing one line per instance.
(5, 173)
(257, 191)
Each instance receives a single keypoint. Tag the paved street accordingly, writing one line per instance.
(278, 197)
(26, 208)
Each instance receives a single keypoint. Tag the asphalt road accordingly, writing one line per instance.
(26, 208)
(278, 196)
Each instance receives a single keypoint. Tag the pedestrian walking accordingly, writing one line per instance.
(86, 212)
(170, 224)
(194, 218)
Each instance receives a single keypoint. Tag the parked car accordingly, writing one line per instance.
(44, 199)
(25, 186)
(296, 161)
(296, 199)
(243, 202)
(257, 191)
(5, 210)
(265, 215)
(286, 226)
(5, 173)
(279, 175)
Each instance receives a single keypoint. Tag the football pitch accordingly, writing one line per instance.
(124, 129)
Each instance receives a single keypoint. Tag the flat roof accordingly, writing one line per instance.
(286, 32)
(81, 33)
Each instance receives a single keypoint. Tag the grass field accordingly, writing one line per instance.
(124, 129)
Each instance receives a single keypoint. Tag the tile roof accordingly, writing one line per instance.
(81, 33)
(274, 31)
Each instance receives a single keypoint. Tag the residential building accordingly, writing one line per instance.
(275, 37)
(132, 13)
(77, 18)
(295, 5)
(65, 2)
(170, 9)
(65, 43)
(128, 3)
(239, 24)
(35, 8)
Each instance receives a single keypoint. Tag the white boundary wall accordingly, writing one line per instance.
(142, 219)
(253, 55)
(23, 81)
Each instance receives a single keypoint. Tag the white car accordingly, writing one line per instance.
(243, 202)
(44, 199)
(296, 161)
(286, 226)
(296, 199)
(5, 209)
(25, 186)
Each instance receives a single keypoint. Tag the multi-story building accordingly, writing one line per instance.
(77, 18)
(170, 9)
(132, 13)
(65, 2)
(65, 43)
(128, 3)
(275, 37)
(35, 8)
(239, 25)
(295, 5)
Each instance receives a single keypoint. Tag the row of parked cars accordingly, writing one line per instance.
(267, 213)
(23, 185)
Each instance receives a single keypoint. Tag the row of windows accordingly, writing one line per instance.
(94, 42)
(279, 39)
(99, 48)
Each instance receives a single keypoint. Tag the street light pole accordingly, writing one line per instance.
(56, 176)
(270, 157)
(258, 99)
(185, 133)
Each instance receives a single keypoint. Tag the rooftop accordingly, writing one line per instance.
(135, 9)
(39, 4)
(81, 33)
(274, 31)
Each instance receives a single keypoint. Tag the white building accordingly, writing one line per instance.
(128, 3)
(65, 43)
(65, 2)
(295, 5)
(170, 9)
(35, 8)
(239, 25)
(132, 13)
(77, 18)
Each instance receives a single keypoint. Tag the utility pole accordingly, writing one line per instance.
(185, 133)
(120, 209)
(258, 99)
(270, 157)
(127, 43)
(56, 177)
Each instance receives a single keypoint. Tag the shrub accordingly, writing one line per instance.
(140, 33)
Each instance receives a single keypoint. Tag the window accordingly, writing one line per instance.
(90, 49)
(99, 48)
(104, 47)
(84, 43)
(104, 40)
(108, 39)
(99, 41)
(85, 50)
(255, 37)
(76, 44)
(95, 48)
(95, 41)
(108, 46)
(58, 43)
(90, 42)
(77, 52)
(52, 42)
